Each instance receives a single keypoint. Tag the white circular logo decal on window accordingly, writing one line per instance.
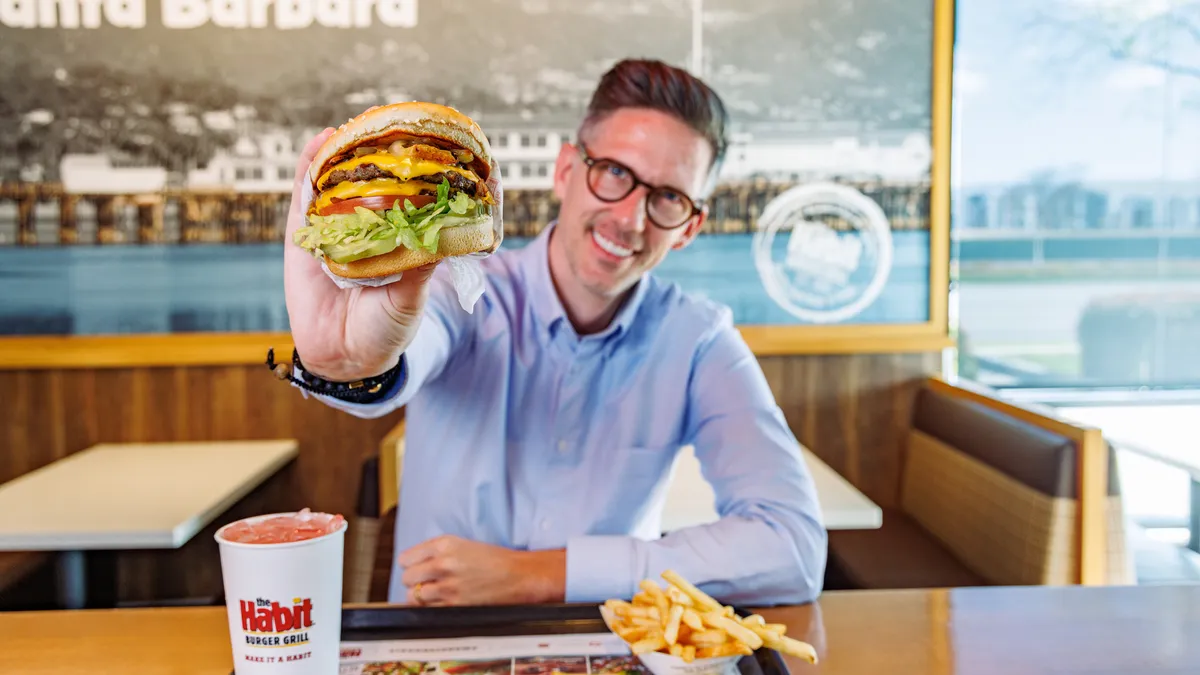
(823, 251)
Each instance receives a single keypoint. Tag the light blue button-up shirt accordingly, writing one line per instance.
(524, 434)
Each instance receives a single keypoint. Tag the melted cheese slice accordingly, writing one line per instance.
(380, 187)
(403, 168)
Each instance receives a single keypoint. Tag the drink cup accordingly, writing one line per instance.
(282, 574)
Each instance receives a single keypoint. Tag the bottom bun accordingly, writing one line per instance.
(457, 240)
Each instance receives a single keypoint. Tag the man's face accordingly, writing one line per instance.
(608, 245)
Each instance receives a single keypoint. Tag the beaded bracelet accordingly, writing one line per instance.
(366, 390)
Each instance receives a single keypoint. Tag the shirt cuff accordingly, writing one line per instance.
(382, 405)
(601, 567)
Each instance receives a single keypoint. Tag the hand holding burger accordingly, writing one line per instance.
(396, 190)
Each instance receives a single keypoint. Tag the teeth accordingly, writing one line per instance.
(611, 246)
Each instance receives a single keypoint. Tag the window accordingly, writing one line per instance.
(977, 216)
(1076, 217)
(284, 173)
(541, 140)
(1082, 293)
(543, 170)
(526, 141)
(257, 173)
(1095, 210)
(526, 171)
(240, 174)
(1178, 217)
(502, 141)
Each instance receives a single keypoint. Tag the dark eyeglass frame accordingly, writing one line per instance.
(593, 162)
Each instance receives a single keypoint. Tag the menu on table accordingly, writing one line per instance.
(565, 654)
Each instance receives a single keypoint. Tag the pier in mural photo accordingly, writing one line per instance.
(211, 260)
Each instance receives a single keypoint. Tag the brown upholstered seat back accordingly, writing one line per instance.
(999, 492)
(381, 574)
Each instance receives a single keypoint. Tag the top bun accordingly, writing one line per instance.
(431, 123)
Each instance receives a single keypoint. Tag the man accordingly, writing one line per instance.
(542, 427)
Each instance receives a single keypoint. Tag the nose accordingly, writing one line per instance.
(631, 211)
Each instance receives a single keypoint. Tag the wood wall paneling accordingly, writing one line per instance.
(848, 409)
(851, 411)
(48, 414)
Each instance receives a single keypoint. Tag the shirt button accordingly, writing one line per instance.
(545, 524)
(562, 447)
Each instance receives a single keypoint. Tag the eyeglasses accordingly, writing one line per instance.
(611, 181)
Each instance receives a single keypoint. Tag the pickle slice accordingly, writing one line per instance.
(357, 250)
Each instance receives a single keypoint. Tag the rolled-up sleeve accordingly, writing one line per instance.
(769, 545)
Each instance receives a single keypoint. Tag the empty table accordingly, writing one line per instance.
(130, 496)
(690, 497)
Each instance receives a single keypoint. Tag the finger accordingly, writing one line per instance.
(419, 275)
(424, 572)
(419, 553)
(432, 594)
(407, 295)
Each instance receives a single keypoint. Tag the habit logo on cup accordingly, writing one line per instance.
(835, 258)
(269, 624)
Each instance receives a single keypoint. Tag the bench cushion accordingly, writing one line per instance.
(1006, 531)
(1028, 454)
(898, 555)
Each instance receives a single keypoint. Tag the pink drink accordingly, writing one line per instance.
(282, 574)
(283, 528)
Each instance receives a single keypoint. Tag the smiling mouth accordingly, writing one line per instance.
(609, 246)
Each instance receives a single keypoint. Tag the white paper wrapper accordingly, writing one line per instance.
(665, 664)
(466, 271)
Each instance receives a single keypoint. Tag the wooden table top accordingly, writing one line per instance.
(133, 495)
(1148, 630)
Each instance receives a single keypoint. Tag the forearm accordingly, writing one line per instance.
(748, 560)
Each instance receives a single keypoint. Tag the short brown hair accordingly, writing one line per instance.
(645, 83)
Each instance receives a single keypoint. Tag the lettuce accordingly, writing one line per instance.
(365, 233)
(461, 204)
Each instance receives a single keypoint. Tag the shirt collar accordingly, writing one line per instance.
(546, 305)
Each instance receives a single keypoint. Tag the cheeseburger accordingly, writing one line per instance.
(398, 187)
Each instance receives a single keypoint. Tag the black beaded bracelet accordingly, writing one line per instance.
(366, 390)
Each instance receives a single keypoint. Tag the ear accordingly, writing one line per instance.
(563, 166)
(692, 229)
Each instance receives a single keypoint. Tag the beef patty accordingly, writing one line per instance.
(364, 172)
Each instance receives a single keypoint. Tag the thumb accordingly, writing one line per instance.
(407, 295)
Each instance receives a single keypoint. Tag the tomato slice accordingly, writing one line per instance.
(381, 203)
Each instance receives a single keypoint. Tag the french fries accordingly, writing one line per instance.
(685, 622)
(692, 619)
